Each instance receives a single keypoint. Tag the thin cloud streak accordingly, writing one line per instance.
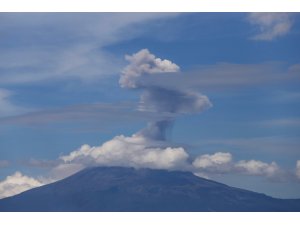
(66, 46)
(223, 76)
(98, 112)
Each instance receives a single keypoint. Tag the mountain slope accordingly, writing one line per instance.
(128, 189)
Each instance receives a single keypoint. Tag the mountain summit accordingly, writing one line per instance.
(127, 189)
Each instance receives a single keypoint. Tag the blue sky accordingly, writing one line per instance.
(59, 89)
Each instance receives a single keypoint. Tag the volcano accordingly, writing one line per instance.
(119, 189)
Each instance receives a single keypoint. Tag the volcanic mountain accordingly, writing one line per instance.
(120, 189)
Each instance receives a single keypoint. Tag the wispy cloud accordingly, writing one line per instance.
(285, 97)
(226, 76)
(64, 45)
(40, 163)
(270, 25)
(102, 116)
(211, 77)
(7, 107)
(286, 146)
(286, 122)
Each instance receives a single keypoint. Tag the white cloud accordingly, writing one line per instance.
(271, 25)
(135, 151)
(258, 168)
(298, 169)
(143, 62)
(218, 162)
(16, 184)
(221, 162)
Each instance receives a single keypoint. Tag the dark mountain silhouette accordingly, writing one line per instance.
(128, 189)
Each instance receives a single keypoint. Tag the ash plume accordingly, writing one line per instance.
(158, 99)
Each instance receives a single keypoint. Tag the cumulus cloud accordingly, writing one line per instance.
(218, 162)
(222, 162)
(298, 169)
(135, 151)
(143, 62)
(16, 184)
(270, 25)
(258, 168)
